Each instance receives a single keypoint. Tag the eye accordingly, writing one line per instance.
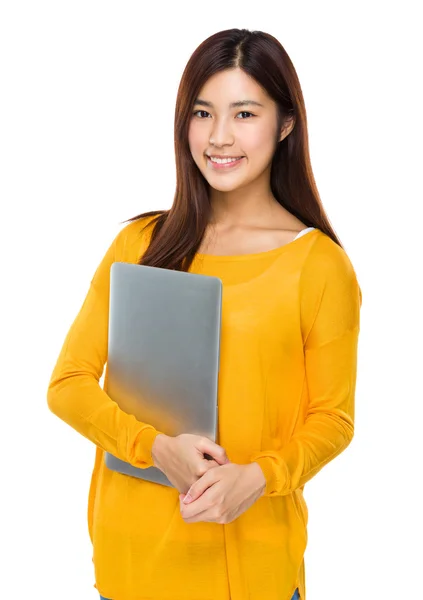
(200, 111)
(244, 112)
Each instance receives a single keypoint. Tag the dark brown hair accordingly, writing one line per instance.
(178, 232)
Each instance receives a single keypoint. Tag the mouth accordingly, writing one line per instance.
(225, 165)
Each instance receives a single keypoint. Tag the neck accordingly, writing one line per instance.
(247, 206)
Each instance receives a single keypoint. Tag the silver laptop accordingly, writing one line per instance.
(163, 352)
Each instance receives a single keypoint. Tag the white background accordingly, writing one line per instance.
(87, 101)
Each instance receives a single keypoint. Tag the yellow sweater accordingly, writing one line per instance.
(288, 363)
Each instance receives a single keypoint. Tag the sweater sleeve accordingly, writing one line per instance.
(74, 393)
(330, 303)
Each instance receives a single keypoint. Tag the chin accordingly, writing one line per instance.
(227, 188)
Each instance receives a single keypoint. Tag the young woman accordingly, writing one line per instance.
(246, 210)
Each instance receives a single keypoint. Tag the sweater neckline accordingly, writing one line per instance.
(264, 254)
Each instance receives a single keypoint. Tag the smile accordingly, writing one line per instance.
(227, 163)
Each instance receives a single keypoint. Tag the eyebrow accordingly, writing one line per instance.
(231, 105)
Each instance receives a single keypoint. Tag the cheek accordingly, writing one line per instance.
(196, 141)
(259, 144)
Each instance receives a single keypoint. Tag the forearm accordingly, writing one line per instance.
(79, 400)
(329, 426)
(74, 393)
(318, 442)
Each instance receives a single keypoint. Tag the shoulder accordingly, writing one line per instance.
(330, 295)
(328, 265)
(327, 259)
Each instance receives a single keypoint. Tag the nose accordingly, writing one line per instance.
(221, 134)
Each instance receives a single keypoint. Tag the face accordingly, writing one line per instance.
(246, 130)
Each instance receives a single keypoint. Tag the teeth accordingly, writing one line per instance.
(223, 160)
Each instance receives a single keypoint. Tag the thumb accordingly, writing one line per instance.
(215, 451)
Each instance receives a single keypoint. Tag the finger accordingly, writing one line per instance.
(189, 516)
(200, 486)
(196, 511)
(202, 516)
(214, 450)
(211, 464)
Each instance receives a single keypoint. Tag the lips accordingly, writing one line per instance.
(216, 156)
(233, 164)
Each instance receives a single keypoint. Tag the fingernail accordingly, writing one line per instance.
(187, 498)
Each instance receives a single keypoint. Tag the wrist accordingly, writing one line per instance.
(259, 478)
(157, 448)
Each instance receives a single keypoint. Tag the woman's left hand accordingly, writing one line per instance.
(223, 493)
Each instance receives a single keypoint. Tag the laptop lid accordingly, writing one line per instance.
(163, 352)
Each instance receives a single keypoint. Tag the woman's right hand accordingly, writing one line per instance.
(181, 458)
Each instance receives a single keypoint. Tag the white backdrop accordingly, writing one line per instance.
(87, 102)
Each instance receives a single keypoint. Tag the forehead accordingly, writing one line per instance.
(232, 85)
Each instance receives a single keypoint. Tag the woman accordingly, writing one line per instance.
(246, 210)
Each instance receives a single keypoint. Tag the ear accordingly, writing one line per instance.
(287, 128)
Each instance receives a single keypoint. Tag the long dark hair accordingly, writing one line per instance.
(178, 232)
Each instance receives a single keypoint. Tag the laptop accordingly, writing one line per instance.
(163, 353)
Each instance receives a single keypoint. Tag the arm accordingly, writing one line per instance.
(330, 319)
(74, 393)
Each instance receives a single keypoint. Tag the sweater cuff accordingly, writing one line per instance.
(143, 447)
(266, 465)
